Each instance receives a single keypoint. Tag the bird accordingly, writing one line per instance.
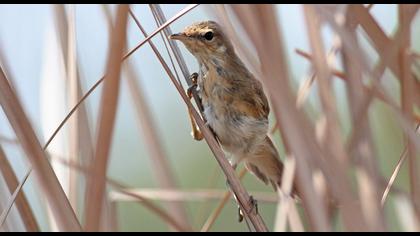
(235, 105)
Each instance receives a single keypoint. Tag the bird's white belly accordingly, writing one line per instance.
(238, 134)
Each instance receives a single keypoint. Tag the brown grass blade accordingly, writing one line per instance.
(163, 26)
(7, 140)
(82, 99)
(197, 195)
(150, 205)
(340, 75)
(335, 72)
(165, 42)
(161, 165)
(216, 212)
(261, 20)
(12, 200)
(403, 157)
(158, 211)
(332, 142)
(22, 203)
(366, 167)
(389, 56)
(73, 85)
(47, 179)
(239, 191)
(127, 55)
(243, 196)
(205, 207)
(80, 135)
(284, 205)
(407, 100)
(160, 19)
(108, 108)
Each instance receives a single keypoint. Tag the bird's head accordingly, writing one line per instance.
(204, 40)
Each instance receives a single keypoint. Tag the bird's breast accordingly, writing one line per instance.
(236, 128)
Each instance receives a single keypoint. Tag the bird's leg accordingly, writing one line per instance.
(254, 205)
(196, 133)
(240, 214)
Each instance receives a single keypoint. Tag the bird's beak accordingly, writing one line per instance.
(178, 36)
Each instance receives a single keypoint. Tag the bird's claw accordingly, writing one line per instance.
(254, 206)
(193, 78)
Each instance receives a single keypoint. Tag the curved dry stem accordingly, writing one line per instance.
(12, 200)
(401, 160)
(216, 213)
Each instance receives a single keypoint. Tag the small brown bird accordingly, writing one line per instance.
(234, 102)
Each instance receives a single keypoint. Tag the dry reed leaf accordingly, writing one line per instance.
(261, 20)
(86, 171)
(161, 19)
(237, 188)
(108, 108)
(284, 205)
(174, 195)
(22, 203)
(338, 74)
(205, 207)
(335, 72)
(73, 85)
(127, 55)
(401, 160)
(150, 205)
(240, 192)
(181, 13)
(79, 131)
(216, 212)
(160, 163)
(363, 151)
(82, 99)
(163, 172)
(332, 138)
(407, 99)
(46, 177)
(389, 51)
(7, 140)
(12, 200)
(295, 220)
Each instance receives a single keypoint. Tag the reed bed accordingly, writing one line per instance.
(340, 174)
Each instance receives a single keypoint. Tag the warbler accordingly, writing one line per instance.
(235, 106)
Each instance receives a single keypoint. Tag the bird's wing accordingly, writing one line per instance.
(261, 99)
(252, 101)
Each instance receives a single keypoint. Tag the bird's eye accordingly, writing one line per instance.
(208, 36)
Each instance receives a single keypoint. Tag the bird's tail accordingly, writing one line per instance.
(266, 165)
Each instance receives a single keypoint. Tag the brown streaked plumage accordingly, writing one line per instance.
(234, 102)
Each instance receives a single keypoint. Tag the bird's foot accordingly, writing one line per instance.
(195, 133)
(193, 78)
(254, 207)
